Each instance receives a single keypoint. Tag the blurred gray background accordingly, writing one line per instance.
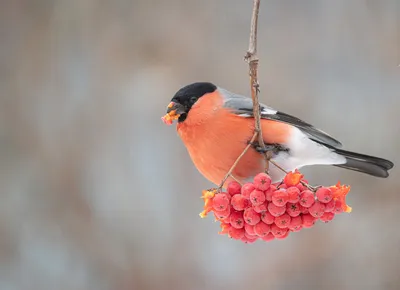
(96, 193)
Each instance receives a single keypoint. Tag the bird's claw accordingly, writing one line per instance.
(267, 148)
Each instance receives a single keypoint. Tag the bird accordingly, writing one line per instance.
(216, 125)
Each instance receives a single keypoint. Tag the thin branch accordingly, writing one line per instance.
(252, 51)
(252, 59)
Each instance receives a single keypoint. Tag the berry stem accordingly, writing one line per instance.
(312, 188)
(229, 174)
(237, 180)
(278, 166)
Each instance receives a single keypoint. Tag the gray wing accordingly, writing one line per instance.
(243, 106)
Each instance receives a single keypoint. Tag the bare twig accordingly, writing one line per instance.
(252, 51)
(252, 59)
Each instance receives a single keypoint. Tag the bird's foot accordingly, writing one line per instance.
(275, 148)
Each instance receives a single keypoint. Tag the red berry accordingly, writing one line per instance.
(307, 198)
(261, 208)
(251, 217)
(296, 224)
(294, 194)
(276, 210)
(301, 187)
(247, 235)
(225, 219)
(257, 197)
(239, 202)
(277, 231)
(324, 194)
(236, 234)
(233, 188)
(293, 178)
(330, 206)
(249, 229)
(244, 239)
(303, 209)
(338, 206)
(317, 209)
(284, 236)
(236, 220)
(262, 181)
(262, 229)
(327, 216)
(248, 240)
(283, 221)
(221, 201)
(293, 209)
(267, 218)
(246, 190)
(308, 220)
(280, 197)
(269, 192)
(222, 214)
(268, 237)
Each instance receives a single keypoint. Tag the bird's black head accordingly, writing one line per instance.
(184, 99)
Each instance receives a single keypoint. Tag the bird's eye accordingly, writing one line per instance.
(193, 100)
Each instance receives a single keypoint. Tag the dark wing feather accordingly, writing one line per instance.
(243, 106)
(308, 129)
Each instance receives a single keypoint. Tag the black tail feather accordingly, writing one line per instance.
(364, 163)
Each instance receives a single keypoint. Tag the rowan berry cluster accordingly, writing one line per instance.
(261, 210)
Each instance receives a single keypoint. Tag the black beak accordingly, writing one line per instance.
(178, 108)
(175, 111)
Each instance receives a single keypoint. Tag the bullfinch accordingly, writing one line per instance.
(216, 125)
